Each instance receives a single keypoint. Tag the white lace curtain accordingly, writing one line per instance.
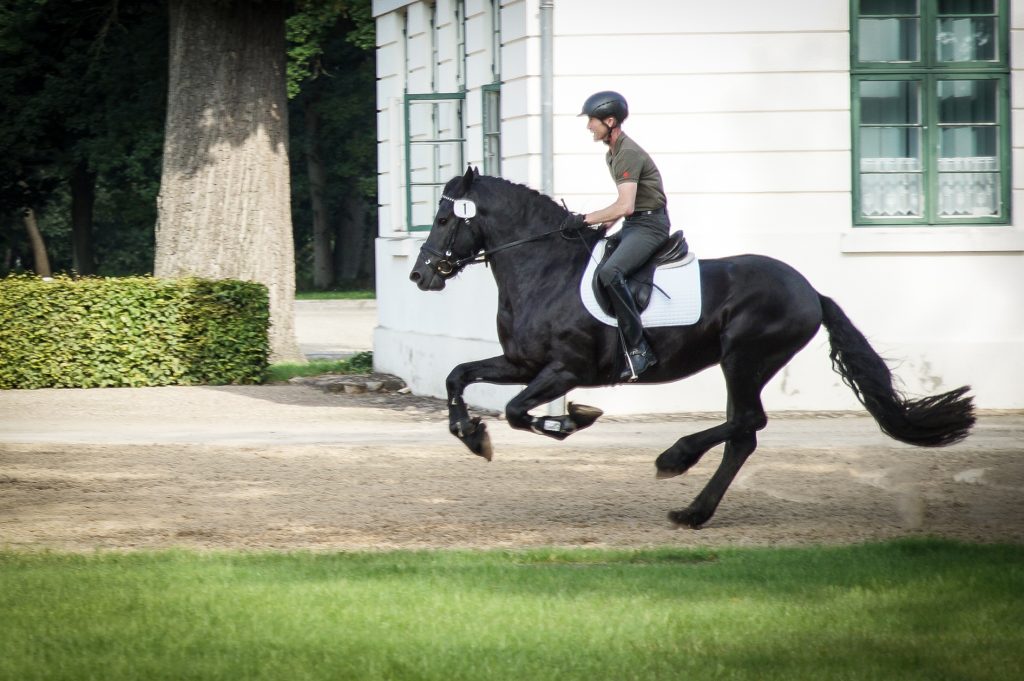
(893, 187)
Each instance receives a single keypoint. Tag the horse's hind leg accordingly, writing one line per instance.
(689, 449)
(737, 449)
(745, 417)
(746, 374)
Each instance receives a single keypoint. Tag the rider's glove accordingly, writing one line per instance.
(576, 221)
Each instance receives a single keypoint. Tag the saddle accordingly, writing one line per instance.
(674, 252)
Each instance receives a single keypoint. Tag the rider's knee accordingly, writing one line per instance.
(607, 275)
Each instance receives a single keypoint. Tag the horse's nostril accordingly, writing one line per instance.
(415, 276)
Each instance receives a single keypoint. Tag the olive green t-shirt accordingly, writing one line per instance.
(627, 162)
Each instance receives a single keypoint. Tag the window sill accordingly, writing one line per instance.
(402, 244)
(962, 239)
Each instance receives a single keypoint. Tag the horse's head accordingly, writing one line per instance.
(453, 239)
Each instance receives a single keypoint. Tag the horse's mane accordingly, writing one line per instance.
(521, 193)
(534, 212)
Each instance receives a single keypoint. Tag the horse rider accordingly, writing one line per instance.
(642, 202)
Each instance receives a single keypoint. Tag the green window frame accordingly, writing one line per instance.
(434, 152)
(930, 104)
(491, 108)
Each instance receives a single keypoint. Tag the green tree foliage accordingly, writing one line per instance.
(331, 73)
(84, 82)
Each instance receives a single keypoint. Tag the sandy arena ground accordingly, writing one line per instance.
(290, 467)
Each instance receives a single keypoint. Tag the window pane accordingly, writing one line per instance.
(969, 194)
(890, 150)
(431, 165)
(891, 181)
(887, 7)
(889, 40)
(966, 39)
(887, 102)
(976, 144)
(967, 6)
(492, 155)
(492, 131)
(492, 111)
(968, 154)
(967, 101)
(435, 118)
(424, 204)
(891, 195)
(435, 162)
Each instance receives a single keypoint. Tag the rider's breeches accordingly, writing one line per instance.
(641, 237)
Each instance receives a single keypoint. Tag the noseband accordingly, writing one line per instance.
(446, 267)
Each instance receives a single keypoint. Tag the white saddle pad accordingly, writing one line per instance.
(677, 303)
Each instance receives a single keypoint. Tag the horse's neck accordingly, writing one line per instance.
(538, 271)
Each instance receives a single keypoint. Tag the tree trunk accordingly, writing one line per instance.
(323, 264)
(41, 261)
(83, 198)
(224, 204)
(353, 255)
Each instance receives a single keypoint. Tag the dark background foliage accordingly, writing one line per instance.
(83, 87)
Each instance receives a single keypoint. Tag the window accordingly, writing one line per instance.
(931, 112)
(434, 143)
(492, 129)
(437, 64)
(491, 109)
(433, 116)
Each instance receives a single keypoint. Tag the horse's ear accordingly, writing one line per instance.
(476, 171)
(467, 179)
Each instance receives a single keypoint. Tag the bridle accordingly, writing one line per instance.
(446, 267)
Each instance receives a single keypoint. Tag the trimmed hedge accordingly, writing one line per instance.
(134, 331)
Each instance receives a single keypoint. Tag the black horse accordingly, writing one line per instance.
(756, 314)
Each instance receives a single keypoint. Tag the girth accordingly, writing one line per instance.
(672, 253)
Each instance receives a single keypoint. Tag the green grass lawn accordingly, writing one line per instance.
(360, 363)
(906, 610)
(336, 295)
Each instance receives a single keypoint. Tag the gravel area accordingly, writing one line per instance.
(293, 467)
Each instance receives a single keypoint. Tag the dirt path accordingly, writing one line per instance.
(288, 467)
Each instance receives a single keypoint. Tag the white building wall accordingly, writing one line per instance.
(746, 108)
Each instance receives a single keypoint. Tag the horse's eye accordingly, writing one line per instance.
(442, 221)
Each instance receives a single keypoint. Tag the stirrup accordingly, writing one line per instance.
(647, 359)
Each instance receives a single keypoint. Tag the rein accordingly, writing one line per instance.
(445, 267)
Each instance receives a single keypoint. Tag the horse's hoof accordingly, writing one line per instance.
(669, 465)
(687, 518)
(486, 450)
(583, 415)
(473, 433)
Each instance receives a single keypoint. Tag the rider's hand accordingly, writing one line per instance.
(576, 221)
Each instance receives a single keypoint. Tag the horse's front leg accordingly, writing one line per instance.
(470, 430)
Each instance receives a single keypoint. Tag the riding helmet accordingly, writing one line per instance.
(606, 103)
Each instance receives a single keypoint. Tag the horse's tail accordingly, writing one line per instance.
(928, 422)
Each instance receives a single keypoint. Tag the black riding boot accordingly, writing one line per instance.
(639, 356)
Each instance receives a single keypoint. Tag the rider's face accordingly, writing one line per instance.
(597, 128)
